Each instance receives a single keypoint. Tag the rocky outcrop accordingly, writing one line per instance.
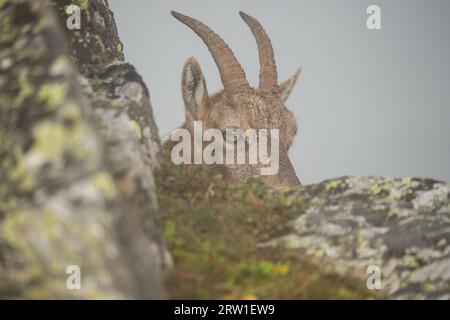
(401, 226)
(78, 144)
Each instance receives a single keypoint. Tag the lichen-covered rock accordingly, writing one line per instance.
(77, 147)
(120, 100)
(400, 225)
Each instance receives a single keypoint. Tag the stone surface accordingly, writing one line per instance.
(78, 144)
(400, 225)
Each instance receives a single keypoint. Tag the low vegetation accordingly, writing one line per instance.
(215, 229)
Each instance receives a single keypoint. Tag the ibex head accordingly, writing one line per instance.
(239, 106)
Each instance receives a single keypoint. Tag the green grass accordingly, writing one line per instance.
(213, 228)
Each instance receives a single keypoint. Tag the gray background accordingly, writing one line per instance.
(368, 102)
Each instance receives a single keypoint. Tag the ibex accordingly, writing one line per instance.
(238, 105)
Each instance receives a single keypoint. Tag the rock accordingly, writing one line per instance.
(400, 225)
(78, 145)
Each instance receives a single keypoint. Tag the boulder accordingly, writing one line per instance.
(78, 145)
(362, 225)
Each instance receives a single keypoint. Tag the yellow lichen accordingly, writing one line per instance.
(52, 93)
(332, 184)
(84, 4)
(53, 139)
(50, 139)
(119, 48)
(136, 128)
(105, 183)
(377, 189)
(393, 211)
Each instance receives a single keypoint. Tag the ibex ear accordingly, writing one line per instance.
(287, 86)
(193, 88)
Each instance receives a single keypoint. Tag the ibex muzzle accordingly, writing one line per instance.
(239, 106)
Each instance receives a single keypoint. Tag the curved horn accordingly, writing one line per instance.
(268, 76)
(231, 72)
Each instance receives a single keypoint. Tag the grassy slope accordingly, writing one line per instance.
(213, 229)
